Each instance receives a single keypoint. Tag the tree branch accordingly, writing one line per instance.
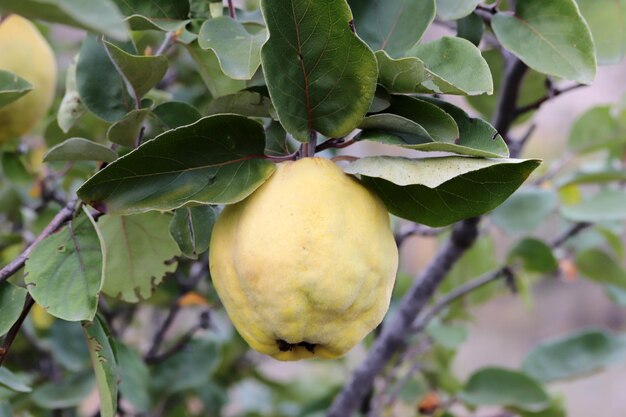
(392, 337)
(57, 222)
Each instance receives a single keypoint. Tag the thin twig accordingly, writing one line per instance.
(15, 329)
(59, 220)
(231, 9)
(419, 230)
(552, 93)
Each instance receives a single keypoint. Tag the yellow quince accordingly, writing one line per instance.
(26, 53)
(305, 266)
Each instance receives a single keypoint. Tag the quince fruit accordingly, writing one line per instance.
(26, 53)
(305, 266)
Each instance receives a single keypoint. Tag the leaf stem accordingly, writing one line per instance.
(231, 9)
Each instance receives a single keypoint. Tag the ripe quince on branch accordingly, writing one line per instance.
(305, 266)
(26, 53)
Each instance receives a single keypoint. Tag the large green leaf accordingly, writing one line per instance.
(596, 129)
(442, 191)
(191, 229)
(525, 210)
(504, 387)
(104, 365)
(64, 272)
(79, 149)
(12, 87)
(139, 254)
(245, 103)
(551, 37)
(218, 83)
(175, 114)
(427, 124)
(217, 160)
(601, 267)
(320, 75)
(607, 205)
(607, 20)
(101, 88)
(69, 392)
(142, 72)
(455, 9)
(403, 75)
(100, 16)
(393, 26)
(238, 51)
(444, 58)
(11, 303)
(575, 355)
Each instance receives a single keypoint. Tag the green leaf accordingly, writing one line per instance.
(138, 248)
(79, 149)
(315, 86)
(134, 378)
(471, 27)
(101, 88)
(451, 336)
(607, 205)
(533, 87)
(69, 392)
(104, 365)
(191, 229)
(64, 272)
(11, 304)
(596, 129)
(12, 87)
(403, 75)
(575, 355)
(175, 114)
(154, 9)
(245, 103)
(238, 51)
(99, 16)
(11, 381)
(443, 58)
(190, 368)
(535, 255)
(607, 21)
(503, 387)
(140, 23)
(218, 83)
(525, 210)
(67, 345)
(550, 37)
(127, 130)
(216, 160)
(142, 72)
(442, 191)
(393, 26)
(455, 9)
(71, 108)
(601, 267)
(476, 136)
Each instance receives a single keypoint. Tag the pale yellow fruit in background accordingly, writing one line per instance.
(25, 52)
(305, 266)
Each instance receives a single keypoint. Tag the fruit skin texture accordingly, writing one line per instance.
(305, 266)
(25, 52)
